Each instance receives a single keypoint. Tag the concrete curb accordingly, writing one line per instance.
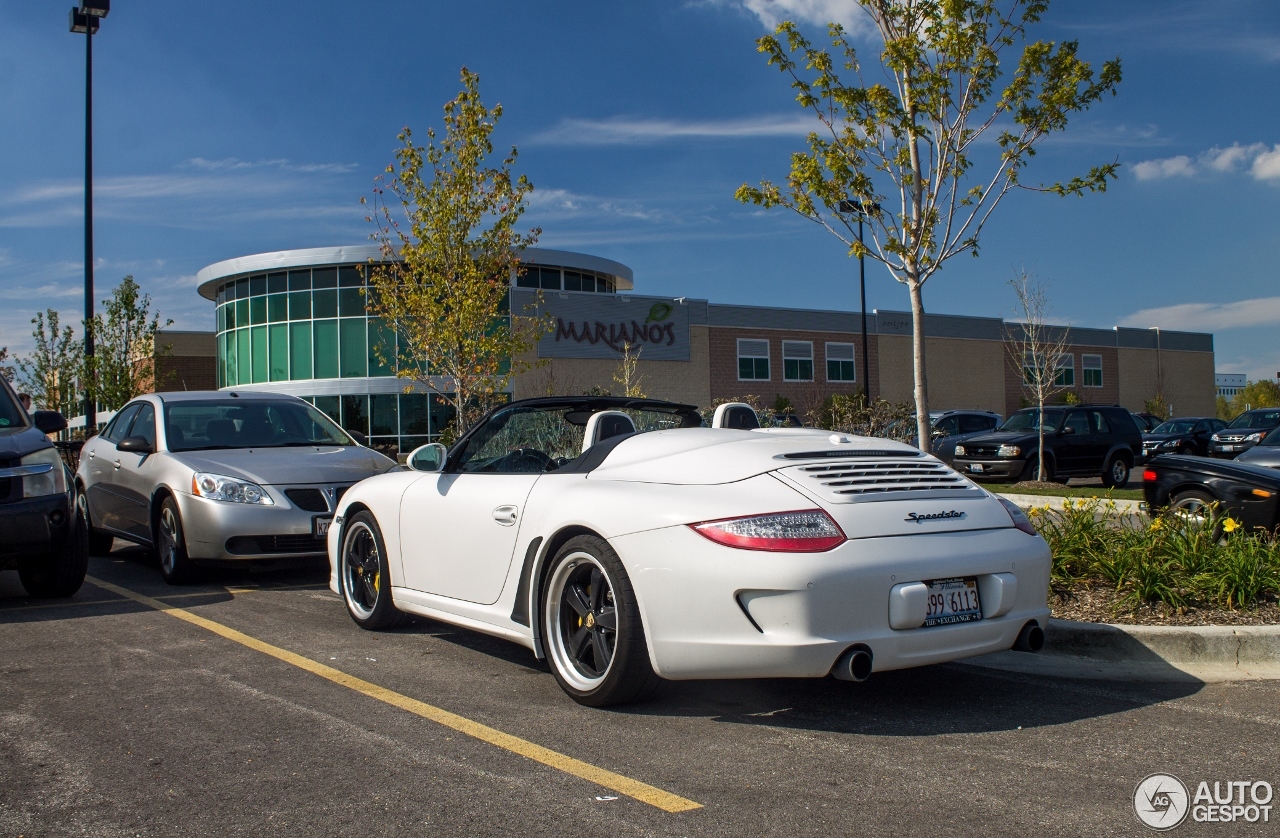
(1149, 653)
(1123, 507)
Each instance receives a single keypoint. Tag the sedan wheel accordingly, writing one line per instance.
(176, 567)
(1199, 508)
(366, 584)
(591, 627)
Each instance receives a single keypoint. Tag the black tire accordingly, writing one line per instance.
(171, 545)
(100, 542)
(595, 663)
(1116, 474)
(60, 573)
(1031, 471)
(363, 575)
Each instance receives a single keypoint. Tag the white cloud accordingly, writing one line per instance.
(848, 13)
(620, 130)
(1255, 158)
(1210, 317)
(236, 164)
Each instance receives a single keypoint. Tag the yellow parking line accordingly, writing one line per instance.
(643, 792)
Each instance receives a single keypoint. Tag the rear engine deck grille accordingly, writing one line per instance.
(875, 477)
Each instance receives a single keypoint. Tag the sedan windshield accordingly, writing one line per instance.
(1029, 420)
(248, 423)
(1174, 426)
(1257, 419)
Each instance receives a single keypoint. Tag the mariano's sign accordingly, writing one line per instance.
(600, 325)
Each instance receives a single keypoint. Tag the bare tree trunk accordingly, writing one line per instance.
(924, 428)
(1040, 445)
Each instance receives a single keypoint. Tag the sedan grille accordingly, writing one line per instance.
(312, 500)
(250, 545)
(847, 481)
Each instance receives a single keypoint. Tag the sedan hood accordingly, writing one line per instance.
(289, 466)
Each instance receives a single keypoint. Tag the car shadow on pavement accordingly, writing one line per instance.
(927, 701)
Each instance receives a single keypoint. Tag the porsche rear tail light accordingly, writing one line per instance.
(806, 531)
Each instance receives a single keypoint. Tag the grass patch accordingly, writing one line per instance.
(1175, 560)
(1067, 491)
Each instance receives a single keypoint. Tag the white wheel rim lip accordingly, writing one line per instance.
(556, 649)
(346, 572)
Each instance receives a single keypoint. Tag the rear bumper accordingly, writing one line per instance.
(991, 469)
(34, 526)
(717, 612)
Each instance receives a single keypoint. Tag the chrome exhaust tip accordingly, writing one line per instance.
(1030, 639)
(854, 664)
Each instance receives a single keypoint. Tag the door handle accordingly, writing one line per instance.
(93, 454)
(506, 514)
(117, 465)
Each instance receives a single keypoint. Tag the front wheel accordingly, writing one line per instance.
(1116, 475)
(1031, 471)
(591, 627)
(61, 573)
(171, 543)
(363, 575)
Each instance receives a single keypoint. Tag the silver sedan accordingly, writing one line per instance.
(219, 477)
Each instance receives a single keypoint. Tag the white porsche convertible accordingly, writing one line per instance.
(627, 543)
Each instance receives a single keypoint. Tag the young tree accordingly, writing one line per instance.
(447, 227)
(628, 379)
(124, 360)
(1038, 350)
(6, 368)
(51, 371)
(1260, 393)
(907, 150)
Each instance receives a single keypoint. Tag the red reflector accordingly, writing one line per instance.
(1148, 474)
(806, 531)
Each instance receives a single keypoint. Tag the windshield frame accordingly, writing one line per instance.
(319, 417)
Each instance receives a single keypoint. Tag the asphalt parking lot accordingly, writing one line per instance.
(265, 710)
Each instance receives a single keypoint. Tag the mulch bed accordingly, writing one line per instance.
(1101, 604)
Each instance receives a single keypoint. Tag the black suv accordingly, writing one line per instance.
(1087, 441)
(44, 537)
(1244, 432)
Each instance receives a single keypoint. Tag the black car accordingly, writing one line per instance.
(42, 522)
(1146, 422)
(1193, 485)
(1188, 435)
(1244, 432)
(1087, 441)
(952, 427)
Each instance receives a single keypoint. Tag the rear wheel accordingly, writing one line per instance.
(363, 575)
(1116, 474)
(591, 627)
(1197, 506)
(171, 545)
(61, 573)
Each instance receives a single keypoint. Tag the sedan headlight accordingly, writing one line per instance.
(42, 474)
(1008, 451)
(229, 489)
(960, 452)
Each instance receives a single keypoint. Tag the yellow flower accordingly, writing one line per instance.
(1230, 525)
(1156, 524)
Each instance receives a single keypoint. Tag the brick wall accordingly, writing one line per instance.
(185, 372)
(1108, 393)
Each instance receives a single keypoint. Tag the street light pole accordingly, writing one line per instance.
(855, 205)
(86, 19)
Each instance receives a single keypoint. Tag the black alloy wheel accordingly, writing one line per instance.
(363, 575)
(171, 545)
(591, 627)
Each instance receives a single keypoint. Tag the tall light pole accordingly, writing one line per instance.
(86, 19)
(855, 205)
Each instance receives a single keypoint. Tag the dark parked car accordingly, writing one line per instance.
(951, 427)
(1146, 422)
(1188, 435)
(1088, 441)
(42, 530)
(1265, 453)
(1244, 432)
(1192, 485)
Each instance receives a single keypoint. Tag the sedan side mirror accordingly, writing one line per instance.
(135, 445)
(49, 421)
(429, 458)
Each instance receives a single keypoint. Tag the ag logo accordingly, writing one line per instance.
(1160, 801)
(658, 313)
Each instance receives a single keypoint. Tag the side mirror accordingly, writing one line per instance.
(135, 445)
(360, 438)
(938, 433)
(429, 458)
(49, 421)
(1067, 431)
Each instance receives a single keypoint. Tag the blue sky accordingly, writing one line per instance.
(233, 128)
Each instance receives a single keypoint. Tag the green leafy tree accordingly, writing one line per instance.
(908, 149)
(51, 372)
(124, 360)
(1260, 393)
(447, 228)
(6, 368)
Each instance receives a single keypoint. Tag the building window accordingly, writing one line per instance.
(1091, 368)
(797, 360)
(753, 360)
(840, 366)
(1066, 376)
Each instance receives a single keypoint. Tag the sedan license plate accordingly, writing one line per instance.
(953, 601)
(975, 467)
(320, 526)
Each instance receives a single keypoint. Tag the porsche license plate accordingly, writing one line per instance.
(320, 526)
(975, 467)
(953, 601)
